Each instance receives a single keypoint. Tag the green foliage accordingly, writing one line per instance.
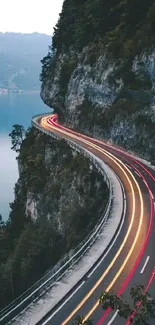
(88, 112)
(116, 303)
(125, 107)
(80, 321)
(31, 254)
(104, 119)
(31, 158)
(144, 122)
(67, 68)
(48, 65)
(17, 135)
(81, 23)
(103, 26)
(143, 305)
(63, 185)
(1, 219)
(130, 79)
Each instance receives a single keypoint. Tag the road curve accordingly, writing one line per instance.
(131, 260)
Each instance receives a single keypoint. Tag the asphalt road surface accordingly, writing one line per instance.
(131, 259)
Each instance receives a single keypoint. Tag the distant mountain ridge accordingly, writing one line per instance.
(20, 56)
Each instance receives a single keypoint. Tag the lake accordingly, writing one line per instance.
(14, 109)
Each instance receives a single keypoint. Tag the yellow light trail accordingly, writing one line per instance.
(43, 121)
(126, 259)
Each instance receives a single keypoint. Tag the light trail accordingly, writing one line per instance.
(126, 259)
(151, 199)
(125, 238)
(139, 257)
(139, 303)
(54, 118)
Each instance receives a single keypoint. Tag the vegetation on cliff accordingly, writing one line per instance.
(118, 23)
(61, 185)
(124, 28)
(100, 72)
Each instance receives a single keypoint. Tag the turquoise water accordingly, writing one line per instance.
(14, 109)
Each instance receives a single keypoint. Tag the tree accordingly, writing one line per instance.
(1, 222)
(143, 305)
(17, 136)
(79, 321)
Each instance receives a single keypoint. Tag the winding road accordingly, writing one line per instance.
(131, 259)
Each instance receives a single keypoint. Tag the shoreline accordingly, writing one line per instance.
(20, 92)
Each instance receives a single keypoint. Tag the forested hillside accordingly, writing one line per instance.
(20, 56)
(121, 23)
(50, 214)
(100, 73)
(124, 28)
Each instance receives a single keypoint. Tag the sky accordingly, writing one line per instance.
(28, 16)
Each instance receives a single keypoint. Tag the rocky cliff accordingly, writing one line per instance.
(100, 75)
(60, 187)
(59, 198)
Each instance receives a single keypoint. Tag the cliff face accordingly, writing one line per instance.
(102, 81)
(59, 198)
(60, 187)
(100, 77)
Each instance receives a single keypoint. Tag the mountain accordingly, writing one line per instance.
(20, 56)
(100, 75)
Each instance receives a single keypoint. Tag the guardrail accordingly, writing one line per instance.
(71, 258)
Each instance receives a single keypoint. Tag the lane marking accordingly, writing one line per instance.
(144, 181)
(142, 177)
(113, 318)
(139, 303)
(112, 243)
(64, 303)
(134, 160)
(75, 291)
(143, 268)
(54, 120)
(137, 173)
(134, 312)
(137, 261)
(152, 195)
(127, 234)
(126, 259)
(128, 166)
(51, 316)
